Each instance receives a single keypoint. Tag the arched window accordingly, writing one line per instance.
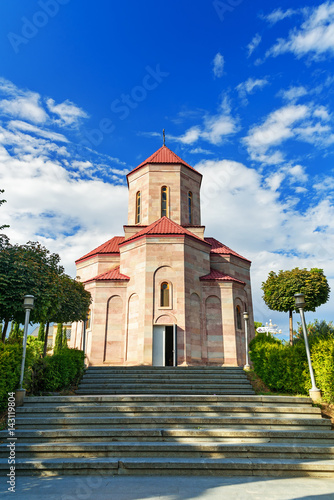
(138, 207)
(239, 324)
(190, 207)
(164, 201)
(164, 294)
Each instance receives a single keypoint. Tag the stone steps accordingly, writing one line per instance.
(165, 380)
(171, 449)
(170, 432)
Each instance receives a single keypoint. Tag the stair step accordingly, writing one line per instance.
(202, 409)
(149, 421)
(165, 466)
(170, 449)
(301, 401)
(171, 434)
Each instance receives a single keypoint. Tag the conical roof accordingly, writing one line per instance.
(163, 155)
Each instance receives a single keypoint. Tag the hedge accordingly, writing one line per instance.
(51, 373)
(284, 368)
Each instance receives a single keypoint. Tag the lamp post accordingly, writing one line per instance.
(28, 304)
(315, 393)
(246, 318)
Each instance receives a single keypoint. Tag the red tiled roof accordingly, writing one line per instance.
(219, 248)
(109, 247)
(215, 275)
(163, 155)
(112, 275)
(163, 227)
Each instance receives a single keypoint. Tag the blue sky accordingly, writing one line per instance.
(243, 89)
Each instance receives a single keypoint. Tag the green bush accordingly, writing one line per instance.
(51, 373)
(57, 372)
(322, 355)
(284, 368)
(10, 365)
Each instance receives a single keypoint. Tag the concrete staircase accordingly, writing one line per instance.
(173, 432)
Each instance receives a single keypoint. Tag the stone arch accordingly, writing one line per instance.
(214, 329)
(114, 336)
(131, 344)
(195, 328)
(162, 274)
(165, 319)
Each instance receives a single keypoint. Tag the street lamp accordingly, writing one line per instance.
(246, 318)
(315, 393)
(28, 304)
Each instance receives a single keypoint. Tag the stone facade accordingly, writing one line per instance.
(164, 294)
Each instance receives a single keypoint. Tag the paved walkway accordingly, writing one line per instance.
(169, 488)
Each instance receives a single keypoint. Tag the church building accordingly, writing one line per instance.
(163, 294)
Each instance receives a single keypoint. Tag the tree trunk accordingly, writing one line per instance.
(291, 327)
(46, 339)
(4, 331)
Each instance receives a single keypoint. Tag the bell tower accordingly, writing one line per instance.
(164, 185)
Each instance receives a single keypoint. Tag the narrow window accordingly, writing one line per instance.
(164, 295)
(190, 207)
(89, 317)
(164, 201)
(239, 325)
(138, 207)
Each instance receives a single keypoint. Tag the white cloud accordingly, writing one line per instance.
(214, 128)
(27, 127)
(274, 234)
(249, 86)
(69, 114)
(200, 151)
(277, 128)
(25, 107)
(218, 65)
(256, 40)
(293, 93)
(315, 37)
(278, 15)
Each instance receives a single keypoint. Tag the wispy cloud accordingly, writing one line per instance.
(249, 86)
(278, 15)
(293, 93)
(68, 113)
(256, 40)
(218, 65)
(315, 36)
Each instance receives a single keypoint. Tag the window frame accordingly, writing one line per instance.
(170, 294)
(190, 207)
(138, 208)
(167, 201)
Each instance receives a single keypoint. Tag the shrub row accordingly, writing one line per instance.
(283, 367)
(51, 373)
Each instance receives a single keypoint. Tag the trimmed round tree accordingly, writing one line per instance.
(279, 291)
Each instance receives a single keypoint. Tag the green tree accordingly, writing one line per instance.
(71, 304)
(316, 329)
(25, 269)
(41, 332)
(16, 333)
(279, 290)
(3, 226)
(59, 339)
